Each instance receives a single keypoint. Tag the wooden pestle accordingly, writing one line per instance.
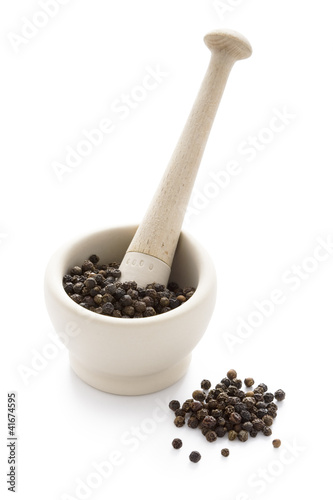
(150, 254)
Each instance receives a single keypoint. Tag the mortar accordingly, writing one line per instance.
(136, 355)
(142, 355)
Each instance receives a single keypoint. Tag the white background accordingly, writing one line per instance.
(269, 218)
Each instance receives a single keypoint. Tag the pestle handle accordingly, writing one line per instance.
(150, 254)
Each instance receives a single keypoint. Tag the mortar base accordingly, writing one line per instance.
(130, 386)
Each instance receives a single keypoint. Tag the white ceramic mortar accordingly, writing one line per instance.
(130, 356)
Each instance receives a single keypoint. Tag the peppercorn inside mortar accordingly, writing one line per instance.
(96, 287)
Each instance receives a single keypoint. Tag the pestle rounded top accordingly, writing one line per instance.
(229, 41)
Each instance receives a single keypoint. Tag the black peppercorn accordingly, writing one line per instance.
(164, 302)
(196, 406)
(177, 443)
(232, 435)
(115, 273)
(193, 422)
(247, 426)
(76, 271)
(119, 293)
(229, 426)
(211, 436)
(174, 405)
(186, 406)
(263, 387)
(205, 385)
(232, 390)
(173, 303)
(90, 283)
(126, 300)
(268, 397)
(111, 288)
(94, 258)
(180, 413)
(258, 395)
(77, 287)
(216, 413)
(129, 311)
(261, 405)
(98, 299)
(139, 306)
(69, 288)
(87, 266)
(236, 382)
(76, 297)
(235, 418)
(209, 422)
(116, 314)
(246, 415)
(220, 431)
(276, 443)
(249, 382)
(199, 395)
(107, 308)
(279, 395)
(232, 374)
(225, 452)
(258, 424)
(268, 420)
(249, 402)
(243, 436)
(201, 414)
(179, 421)
(150, 311)
(272, 406)
(195, 456)
(261, 412)
(267, 431)
(225, 381)
(212, 404)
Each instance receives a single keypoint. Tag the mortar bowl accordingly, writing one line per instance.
(130, 356)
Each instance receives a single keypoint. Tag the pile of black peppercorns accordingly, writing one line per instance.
(97, 288)
(228, 410)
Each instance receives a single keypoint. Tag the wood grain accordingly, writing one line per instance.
(159, 230)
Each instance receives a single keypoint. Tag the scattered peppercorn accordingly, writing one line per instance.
(276, 443)
(232, 435)
(97, 287)
(174, 405)
(231, 374)
(243, 436)
(195, 456)
(225, 452)
(177, 443)
(249, 382)
(268, 420)
(279, 395)
(205, 385)
(227, 410)
(179, 421)
(199, 395)
(211, 436)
